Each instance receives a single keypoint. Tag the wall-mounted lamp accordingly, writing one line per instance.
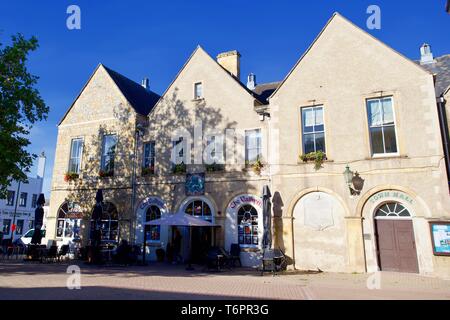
(354, 182)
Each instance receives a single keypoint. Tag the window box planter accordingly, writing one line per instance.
(179, 168)
(71, 176)
(317, 157)
(148, 171)
(256, 166)
(105, 174)
(214, 167)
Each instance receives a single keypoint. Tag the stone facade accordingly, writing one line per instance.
(316, 221)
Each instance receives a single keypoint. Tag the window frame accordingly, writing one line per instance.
(389, 154)
(22, 224)
(10, 204)
(252, 234)
(150, 227)
(9, 226)
(195, 90)
(103, 156)
(260, 147)
(144, 158)
(303, 134)
(20, 199)
(34, 198)
(80, 156)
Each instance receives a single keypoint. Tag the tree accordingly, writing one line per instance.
(20, 107)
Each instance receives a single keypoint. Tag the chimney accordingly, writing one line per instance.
(146, 83)
(426, 56)
(251, 81)
(231, 61)
(41, 166)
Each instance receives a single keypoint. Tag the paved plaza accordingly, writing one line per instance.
(19, 280)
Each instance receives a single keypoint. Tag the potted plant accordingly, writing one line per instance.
(70, 176)
(257, 165)
(214, 167)
(179, 168)
(104, 174)
(148, 171)
(318, 157)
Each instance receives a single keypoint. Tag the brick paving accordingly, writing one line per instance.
(20, 280)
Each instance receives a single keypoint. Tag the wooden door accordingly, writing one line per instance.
(396, 245)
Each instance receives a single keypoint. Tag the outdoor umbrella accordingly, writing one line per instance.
(267, 208)
(181, 220)
(96, 217)
(38, 220)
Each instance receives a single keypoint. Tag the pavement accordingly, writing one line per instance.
(160, 281)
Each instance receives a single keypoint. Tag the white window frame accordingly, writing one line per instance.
(259, 147)
(152, 155)
(218, 152)
(80, 156)
(103, 156)
(386, 154)
(198, 97)
(320, 106)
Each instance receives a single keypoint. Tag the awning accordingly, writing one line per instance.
(181, 220)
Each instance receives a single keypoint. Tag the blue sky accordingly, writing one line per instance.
(154, 39)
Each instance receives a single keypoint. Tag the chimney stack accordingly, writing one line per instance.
(251, 81)
(146, 83)
(426, 56)
(231, 62)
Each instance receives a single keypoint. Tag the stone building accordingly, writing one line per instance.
(349, 104)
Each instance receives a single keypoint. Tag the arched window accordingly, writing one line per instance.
(153, 233)
(200, 209)
(392, 209)
(247, 219)
(109, 223)
(69, 220)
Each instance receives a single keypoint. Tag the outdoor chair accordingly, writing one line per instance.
(51, 254)
(63, 251)
(217, 259)
(235, 254)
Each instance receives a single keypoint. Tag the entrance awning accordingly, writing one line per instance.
(180, 220)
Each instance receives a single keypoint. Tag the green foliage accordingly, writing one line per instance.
(214, 167)
(20, 107)
(179, 168)
(318, 157)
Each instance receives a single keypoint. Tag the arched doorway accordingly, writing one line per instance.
(68, 225)
(202, 237)
(109, 224)
(394, 232)
(320, 233)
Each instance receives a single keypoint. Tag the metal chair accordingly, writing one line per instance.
(51, 254)
(235, 254)
(63, 251)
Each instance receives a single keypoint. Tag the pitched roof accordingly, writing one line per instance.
(264, 90)
(141, 100)
(441, 68)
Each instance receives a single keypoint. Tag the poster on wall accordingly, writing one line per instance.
(440, 236)
(195, 184)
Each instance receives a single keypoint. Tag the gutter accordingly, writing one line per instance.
(445, 135)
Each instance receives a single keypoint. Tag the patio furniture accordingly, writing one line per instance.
(51, 254)
(235, 254)
(273, 260)
(217, 259)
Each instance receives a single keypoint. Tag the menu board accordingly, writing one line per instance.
(440, 236)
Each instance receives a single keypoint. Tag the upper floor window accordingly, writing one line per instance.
(76, 150)
(198, 90)
(10, 198)
(149, 158)
(383, 138)
(34, 201)
(19, 227)
(253, 151)
(23, 199)
(214, 145)
(6, 226)
(313, 129)
(108, 153)
(178, 147)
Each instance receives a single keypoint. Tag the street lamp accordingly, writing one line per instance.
(353, 180)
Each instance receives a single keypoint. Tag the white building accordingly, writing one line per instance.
(19, 206)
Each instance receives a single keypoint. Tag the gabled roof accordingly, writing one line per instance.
(336, 14)
(441, 68)
(226, 71)
(140, 99)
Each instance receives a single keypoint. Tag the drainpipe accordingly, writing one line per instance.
(445, 135)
